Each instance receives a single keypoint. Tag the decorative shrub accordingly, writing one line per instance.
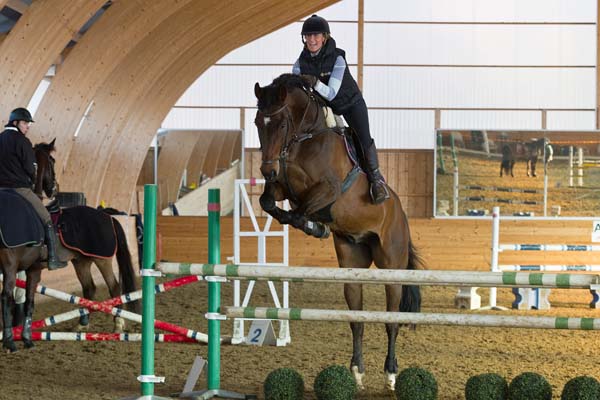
(284, 384)
(335, 383)
(486, 387)
(416, 384)
(581, 388)
(529, 386)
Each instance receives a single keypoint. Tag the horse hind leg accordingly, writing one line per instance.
(393, 295)
(357, 256)
(33, 278)
(8, 303)
(84, 275)
(105, 267)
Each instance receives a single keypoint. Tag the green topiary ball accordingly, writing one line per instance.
(581, 388)
(335, 383)
(529, 386)
(486, 387)
(416, 384)
(284, 384)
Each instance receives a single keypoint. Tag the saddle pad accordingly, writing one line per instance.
(19, 223)
(87, 231)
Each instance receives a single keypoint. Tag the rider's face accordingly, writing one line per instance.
(23, 126)
(314, 41)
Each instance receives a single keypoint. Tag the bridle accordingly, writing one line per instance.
(50, 161)
(296, 136)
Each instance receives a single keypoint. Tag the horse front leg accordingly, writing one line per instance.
(296, 219)
(33, 278)
(8, 303)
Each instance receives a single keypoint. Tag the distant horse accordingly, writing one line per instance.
(29, 258)
(306, 162)
(529, 152)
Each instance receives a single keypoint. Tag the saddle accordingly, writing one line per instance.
(87, 231)
(19, 223)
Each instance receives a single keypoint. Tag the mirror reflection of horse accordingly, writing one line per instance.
(529, 152)
(307, 163)
(29, 258)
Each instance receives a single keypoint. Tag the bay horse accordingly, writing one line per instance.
(529, 152)
(29, 258)
(307, 163)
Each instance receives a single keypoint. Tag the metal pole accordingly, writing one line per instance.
(214, 291)
(147, 378)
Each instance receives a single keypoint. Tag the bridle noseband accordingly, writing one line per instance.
(296, 137)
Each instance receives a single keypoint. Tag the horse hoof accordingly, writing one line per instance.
(28, 344)
(358, 377)
(82, 328)
(390, 382)
(9, 348)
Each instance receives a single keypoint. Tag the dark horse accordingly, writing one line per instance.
(529, 152)
(307, 163)
(29, 258)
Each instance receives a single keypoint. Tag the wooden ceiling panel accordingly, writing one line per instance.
(229, 34)
(129, 69)
(37, 39)
(123, 25)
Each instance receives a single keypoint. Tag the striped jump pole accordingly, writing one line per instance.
(408, 277)
(102, 337)
(298, 314)
(107, 307)
(526, 298)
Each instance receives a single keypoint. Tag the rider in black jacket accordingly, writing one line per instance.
(18, 172)
(325, 66)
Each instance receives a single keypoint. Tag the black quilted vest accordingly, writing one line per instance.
(321, 66)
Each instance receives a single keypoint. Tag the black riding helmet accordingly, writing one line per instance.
(315, 24)
(20, 114)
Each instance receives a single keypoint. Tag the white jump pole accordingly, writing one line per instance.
(494, 260)
(570, 166)
(455, 191)
(580, 166)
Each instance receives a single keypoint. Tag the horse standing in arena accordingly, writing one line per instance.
(307, 163)
(29, 258)
(529, 152)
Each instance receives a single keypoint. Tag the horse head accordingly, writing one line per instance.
(45, 177)
(284, 107)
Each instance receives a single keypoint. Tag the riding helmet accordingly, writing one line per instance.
(315, 24)
(20, 114)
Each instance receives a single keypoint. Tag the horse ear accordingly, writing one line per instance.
(257, 90)
(52, 143)
(282, 93)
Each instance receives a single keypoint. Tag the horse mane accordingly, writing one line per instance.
(270, 95)
(45, 147)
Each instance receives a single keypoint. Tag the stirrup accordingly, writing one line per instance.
(376, 198)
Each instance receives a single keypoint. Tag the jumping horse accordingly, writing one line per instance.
(307, 163)
(31, 259)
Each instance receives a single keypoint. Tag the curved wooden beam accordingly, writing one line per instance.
(174, 156)
(34, 43)
(223, 34)
(196, 162)
(123, 25)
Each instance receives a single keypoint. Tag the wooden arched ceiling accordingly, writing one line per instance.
(33, 45)
(100, 51)
(134, 88)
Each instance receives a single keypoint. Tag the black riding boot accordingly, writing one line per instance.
(53, 261)
(379, 191)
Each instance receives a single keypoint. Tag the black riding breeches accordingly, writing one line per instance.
(357, 118)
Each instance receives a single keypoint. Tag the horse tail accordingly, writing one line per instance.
(411, 294)
(126, 271)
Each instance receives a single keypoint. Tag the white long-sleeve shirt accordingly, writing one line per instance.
(330, 90)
